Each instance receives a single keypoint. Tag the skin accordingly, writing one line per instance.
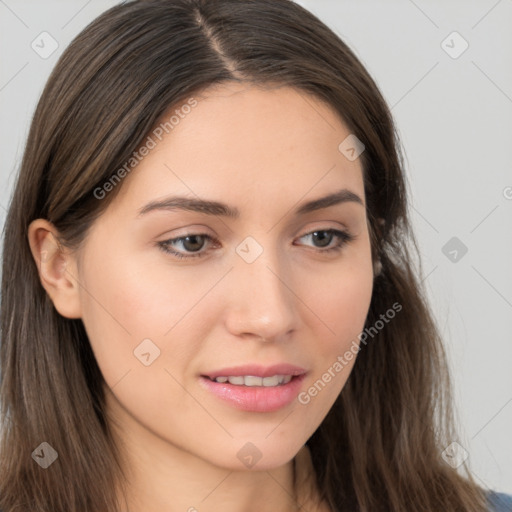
(264, 152)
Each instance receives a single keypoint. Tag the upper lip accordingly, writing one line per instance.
(257, 370)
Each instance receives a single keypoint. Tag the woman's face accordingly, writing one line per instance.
(244, 264)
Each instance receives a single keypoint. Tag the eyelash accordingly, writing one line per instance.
(344, 238)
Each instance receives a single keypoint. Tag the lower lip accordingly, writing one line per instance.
(255, 398)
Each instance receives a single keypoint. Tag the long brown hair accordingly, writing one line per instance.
(379, 448)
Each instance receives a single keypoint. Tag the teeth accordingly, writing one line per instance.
(251, 380)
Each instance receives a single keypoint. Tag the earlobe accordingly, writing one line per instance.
(56, 266)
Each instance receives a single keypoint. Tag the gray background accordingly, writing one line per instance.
(454, 115)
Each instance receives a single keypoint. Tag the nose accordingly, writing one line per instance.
(262, 303)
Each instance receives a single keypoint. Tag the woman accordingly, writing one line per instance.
(207, 301)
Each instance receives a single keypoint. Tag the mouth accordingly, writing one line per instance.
(253, 380)
(256, 389)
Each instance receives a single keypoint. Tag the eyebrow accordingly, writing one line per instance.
(223, 210)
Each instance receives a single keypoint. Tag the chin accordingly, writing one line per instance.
(257, 453)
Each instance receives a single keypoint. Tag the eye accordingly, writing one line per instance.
(325, 240)
(188, 246)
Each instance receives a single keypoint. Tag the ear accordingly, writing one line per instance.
(57, 268)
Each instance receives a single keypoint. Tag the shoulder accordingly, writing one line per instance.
(499, 502)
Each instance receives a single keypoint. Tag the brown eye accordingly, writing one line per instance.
(325, 240)
(322, 238)
(188, 246)
(193, 243)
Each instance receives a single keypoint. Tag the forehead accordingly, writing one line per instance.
(277, 142)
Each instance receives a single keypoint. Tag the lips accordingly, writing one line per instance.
(255, 388)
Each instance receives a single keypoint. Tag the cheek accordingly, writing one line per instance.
(349, 306)
(340, 299)
(340, 302)
(126, 302)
